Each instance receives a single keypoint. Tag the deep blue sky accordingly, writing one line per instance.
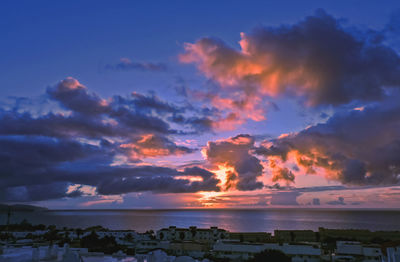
(44, 41)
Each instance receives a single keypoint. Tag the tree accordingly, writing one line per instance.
(51, 227)
(107, 244)
(151, 233)
(270, 256)
(79, 232)
(52, 236)
(182, 235)
(128, 237)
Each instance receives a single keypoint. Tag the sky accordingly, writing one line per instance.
(200, 104)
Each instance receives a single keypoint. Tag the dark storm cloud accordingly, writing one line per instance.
(160, 181)
(56, 125)
(126, 64)
(317, 59)
(359, 147)
(38, 160)
(136, 113)
(42, 155)
(152, 102)
(91, 116)
(74, 96)
(38, 192)
(38, 168)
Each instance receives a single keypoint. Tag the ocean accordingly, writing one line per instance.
(265, 220)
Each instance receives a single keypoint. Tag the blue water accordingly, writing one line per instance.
(232, 220)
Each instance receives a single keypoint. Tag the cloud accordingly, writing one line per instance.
(135, 113)
(282, 174)
(233, 153)
(94, 142)
(285, 198)
(317, 60)
(126, 64)
(316, 202)
(74, 96)
(159, 180)
(37, 168)
(339, 201)
(354, 147)
(28, 193)
(153, 146)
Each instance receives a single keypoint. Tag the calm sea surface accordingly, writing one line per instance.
(232, 220)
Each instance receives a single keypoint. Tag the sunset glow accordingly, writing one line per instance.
(193, 105)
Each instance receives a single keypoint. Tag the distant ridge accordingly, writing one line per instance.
(20, 207)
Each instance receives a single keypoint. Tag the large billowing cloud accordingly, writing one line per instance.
(320, 62)
(50, 166)
(360, 147)
(233, 155)
(95, 142)
(317, 60)
(136, 114)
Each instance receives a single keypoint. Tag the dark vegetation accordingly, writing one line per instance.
(107, 244)
(270, 256)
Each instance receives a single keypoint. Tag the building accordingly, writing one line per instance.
(146, 246)
(242, 251)
(355, 251)
(192, 234)
(188, 248)
(393, 254)
(253, 237)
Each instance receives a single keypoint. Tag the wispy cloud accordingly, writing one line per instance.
(125, 64)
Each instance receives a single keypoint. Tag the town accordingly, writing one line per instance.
(27, 242)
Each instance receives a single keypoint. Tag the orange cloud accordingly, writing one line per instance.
(150, 145)
(317, 60)
(232, 158)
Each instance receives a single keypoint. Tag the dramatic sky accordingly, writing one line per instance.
(191, 104)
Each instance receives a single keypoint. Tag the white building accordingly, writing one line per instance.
(121, 237)
(244, 251)
(393, 254)
(173, 233)
(350, 251)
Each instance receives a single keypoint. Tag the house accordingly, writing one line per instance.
(353, 250)
(242, 251)
(393, 254)
(187, 248)
(256, 237)
(192, 234)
